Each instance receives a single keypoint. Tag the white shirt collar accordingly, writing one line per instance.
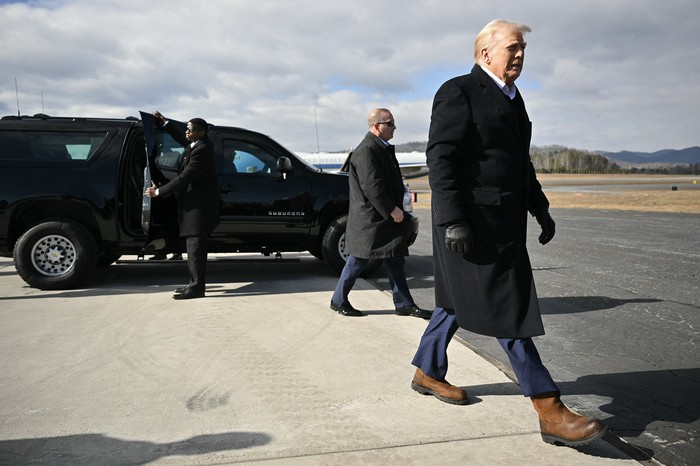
(510, 91)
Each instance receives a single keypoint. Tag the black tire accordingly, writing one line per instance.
(316, 252)
(55, 255)
(334, 251)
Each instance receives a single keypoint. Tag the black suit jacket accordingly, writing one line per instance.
(480, 172)
(376, 188)
(195, 187)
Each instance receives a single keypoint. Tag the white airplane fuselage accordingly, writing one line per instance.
(412, 164)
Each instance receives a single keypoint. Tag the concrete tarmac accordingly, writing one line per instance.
(260, 371)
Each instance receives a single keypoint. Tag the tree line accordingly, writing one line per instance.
(560, 159)
(565, 160)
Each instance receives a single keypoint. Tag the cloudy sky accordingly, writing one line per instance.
(599, 74)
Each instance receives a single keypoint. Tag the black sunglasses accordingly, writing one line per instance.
(389, 123)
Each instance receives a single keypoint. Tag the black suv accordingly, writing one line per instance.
(71, 196)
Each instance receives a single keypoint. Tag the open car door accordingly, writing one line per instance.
(149, 135)
(159, 216)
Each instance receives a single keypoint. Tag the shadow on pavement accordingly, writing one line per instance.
(638, 400)
(224, 279)
(90, 449)
(576, 304)
(659, 396)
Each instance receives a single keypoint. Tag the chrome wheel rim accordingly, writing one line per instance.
(53, 255)
(342, 250)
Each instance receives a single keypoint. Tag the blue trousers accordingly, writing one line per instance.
(431, 356)
(394, 269)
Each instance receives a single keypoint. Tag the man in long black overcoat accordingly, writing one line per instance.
(483, 186)
(375, 227)
(196, 190)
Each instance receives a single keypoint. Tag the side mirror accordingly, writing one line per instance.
(284, 165)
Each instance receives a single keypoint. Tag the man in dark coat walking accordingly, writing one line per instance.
(483, 185)
(197, 193)
(375, 228)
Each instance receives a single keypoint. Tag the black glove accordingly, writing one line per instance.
(547, 224)
(458, 238)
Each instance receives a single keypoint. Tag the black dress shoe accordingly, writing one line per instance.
(414, 311)
(182, 289)
(189, 294)
(346, 310)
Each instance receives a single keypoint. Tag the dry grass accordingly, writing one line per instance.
(616, 194)
(644, 201)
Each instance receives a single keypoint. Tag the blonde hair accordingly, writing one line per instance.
(487, 36)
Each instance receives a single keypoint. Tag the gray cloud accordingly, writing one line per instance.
(608, 75)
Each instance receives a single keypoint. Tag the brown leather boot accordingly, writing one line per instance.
(443, 391)
(560, 425)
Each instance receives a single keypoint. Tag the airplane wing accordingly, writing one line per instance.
(413, 170)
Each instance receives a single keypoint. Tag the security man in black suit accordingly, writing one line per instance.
(483, 185)
(196, 190)
(376, 228)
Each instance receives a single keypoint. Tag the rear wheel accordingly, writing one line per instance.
(55, 255)
(316, 251)
(335, 251)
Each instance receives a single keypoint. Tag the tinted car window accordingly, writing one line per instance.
(242, 157)
(168, 151)
(49, 145)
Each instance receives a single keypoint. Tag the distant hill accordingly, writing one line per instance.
(661, 157)
(412, 147)
(666, 156)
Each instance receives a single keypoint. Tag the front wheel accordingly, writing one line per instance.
(55, 255)
(335, 251)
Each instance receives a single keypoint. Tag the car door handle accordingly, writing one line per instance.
(225, 188)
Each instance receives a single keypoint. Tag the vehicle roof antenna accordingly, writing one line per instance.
(318, 144)
(17, 94)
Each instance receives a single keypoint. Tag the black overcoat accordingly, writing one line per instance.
(480, 171)
(376, 189)
(195, 187)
